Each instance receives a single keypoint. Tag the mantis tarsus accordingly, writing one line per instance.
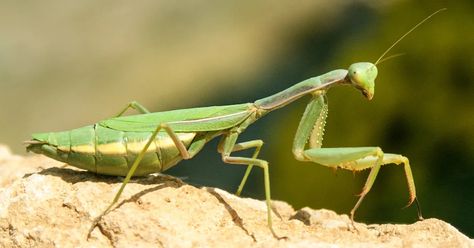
(153, 142)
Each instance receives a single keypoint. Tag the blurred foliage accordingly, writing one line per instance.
(63, 65)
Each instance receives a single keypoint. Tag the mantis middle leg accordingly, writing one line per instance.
(246, 145)
(359, 158)
(228, 145)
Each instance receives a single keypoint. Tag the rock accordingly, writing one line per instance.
(13, 167)
(51, 206)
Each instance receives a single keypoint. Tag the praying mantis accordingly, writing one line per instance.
(148, 142)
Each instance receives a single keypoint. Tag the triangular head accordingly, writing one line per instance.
(362, 75)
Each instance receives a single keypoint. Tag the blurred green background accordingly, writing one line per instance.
(64, 64)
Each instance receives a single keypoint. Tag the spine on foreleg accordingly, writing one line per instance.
(311, 126)
(316, 137)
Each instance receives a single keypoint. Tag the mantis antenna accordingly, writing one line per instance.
(390, 57)
(403, 36)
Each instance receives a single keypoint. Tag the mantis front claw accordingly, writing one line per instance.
(310, 134)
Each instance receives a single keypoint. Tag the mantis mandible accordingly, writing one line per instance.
(153, 142)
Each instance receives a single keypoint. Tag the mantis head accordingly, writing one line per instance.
(362, 75)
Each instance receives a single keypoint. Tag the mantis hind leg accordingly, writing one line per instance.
(185, 154)
(228, 145)
(133, 105)
(359, 158)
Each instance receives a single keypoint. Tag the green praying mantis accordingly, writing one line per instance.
(153, 142)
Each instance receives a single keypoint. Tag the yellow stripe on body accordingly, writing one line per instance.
(106, 149)
(137, 147)
(165, 142)
(116, 148)
(86, 149)
(64, 148)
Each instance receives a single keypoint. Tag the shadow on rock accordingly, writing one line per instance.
(235, 216)
(75, 176)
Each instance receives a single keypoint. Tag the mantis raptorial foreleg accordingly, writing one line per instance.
(228, 145)
(359, 158)
(350, 158)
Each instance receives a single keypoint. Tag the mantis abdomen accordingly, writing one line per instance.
(111, 152)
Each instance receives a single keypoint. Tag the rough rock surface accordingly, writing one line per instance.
(43, 205)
